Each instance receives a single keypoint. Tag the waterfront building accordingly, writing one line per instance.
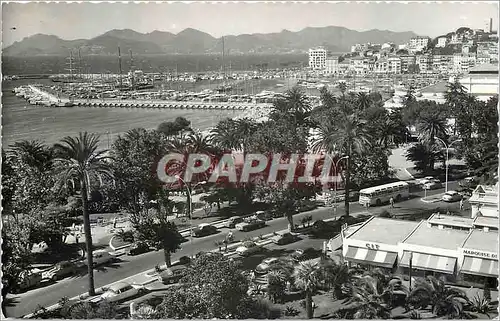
(481, 81)
(407, 61)
(463, 62)
(332, 65)
(381, 66)
(317, 58)
(394, 65)
(441, 42)
(450, 248)
(484, 201)
(424, 63)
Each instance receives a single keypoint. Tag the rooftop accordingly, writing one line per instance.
(486, 221)
(439, 87)
(484, 68)
(450, 220)
(383, 230)
(480, 240)
(425, 235)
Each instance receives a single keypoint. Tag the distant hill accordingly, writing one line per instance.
(192, 41)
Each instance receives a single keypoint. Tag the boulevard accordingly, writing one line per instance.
(25, 303)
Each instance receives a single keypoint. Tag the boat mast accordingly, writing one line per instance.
(223, 66)
(120, 68)
(70, 69)
(132, 69)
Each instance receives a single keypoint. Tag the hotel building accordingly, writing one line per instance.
(317, 58)
(481, 81)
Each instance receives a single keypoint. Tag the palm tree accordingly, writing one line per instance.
(343, 88)
(335, 276)
(444, 300)
(80, 160)
(370, 301)
(276, 284)
(432, 124)
(32, 153)
(348, 136)
(363, 101)
(307, 278)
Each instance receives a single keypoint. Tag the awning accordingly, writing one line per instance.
(429, 262)
(478, 266)
(372, 257)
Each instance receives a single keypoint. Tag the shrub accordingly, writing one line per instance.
(385, 214)
(290, 311)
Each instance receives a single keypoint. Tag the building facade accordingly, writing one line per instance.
(441, 42)
(484, 201)
(317, 58)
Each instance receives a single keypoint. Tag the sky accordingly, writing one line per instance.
(87, 20)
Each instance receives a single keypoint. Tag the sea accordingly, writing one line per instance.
(22, 121)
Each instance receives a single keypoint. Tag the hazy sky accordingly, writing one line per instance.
(87, 20)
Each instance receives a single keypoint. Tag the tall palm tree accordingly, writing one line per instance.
(346, 136)
(335, 276)
(444, 300)
(432, 124)
(79, 159)
(31, 153)
(363, 101)
(307, 278)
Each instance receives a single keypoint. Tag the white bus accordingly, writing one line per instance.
(382, 194)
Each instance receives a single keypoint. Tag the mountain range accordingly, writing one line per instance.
(192, 41)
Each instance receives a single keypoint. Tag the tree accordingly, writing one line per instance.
(307, 278)
(335, 276)
(276, 285)
(432, 124)
(363, 101)
(423, 156)
(372, 300)
(80, 160)
(444, 300)
(343, 88)
(345, 136)
(178, 126)
(16, 257)
(213, 287)
(90, 310)
(155, 228)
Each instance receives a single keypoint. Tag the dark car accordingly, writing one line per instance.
(264, 216)
(468, 183)
(172, 274)
(60, 271)
(204, 230)
(305, 254)
(138, 248)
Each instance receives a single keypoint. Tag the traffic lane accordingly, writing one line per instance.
(129, 266)
(70, 287)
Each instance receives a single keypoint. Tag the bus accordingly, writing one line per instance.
(382, 194)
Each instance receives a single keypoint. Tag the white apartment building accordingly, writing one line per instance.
(317, 58)
(332, 66)
(456, 38)
(381, 66)
(394, 65)
(419, 42)
(482, 82)
(463, 62)
(442, 41)
(424, 63)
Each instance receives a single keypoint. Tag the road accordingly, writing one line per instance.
(24, 303)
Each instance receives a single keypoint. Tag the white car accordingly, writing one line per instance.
(121, 291)
(434, 184)
(248, 248)
(451, 196)
(102, 257)
(250, 224)
(425, 180)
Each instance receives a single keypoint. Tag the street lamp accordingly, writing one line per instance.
(411, 266)
(335, 165)
(447, 147)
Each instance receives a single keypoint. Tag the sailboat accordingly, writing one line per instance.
(223, 88)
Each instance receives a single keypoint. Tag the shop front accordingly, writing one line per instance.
(425, 264)
(371, 257)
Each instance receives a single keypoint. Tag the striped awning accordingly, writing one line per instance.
(372, 257)
(429, 262)
(479, 266)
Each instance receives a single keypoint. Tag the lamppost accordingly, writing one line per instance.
(447, 147)
(335, 165)
(411, 266)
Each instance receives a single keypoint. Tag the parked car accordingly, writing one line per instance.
(305, 254)
(264, 216)
(451, 196)
(248, 248)
(172, 274)
(138, 248)
(435, 184)
(266, 264)
(285, 238)
(306, 207)
(250, 224)
(29, 279)
(59, 271)
(425, 180)
(233, 221)
(204, 229)
(468, 182)
(102, 257)
(121, 291)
